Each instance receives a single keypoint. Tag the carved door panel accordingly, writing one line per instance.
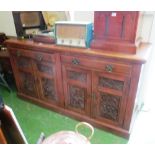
(24, 73)
(77, 89)
(21, 58)
(28, 85)
(109, 102)
(48, 80)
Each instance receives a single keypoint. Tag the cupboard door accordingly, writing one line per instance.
(110, 93)
(48, 79)
(77, 88)
(28, 85)
(25, 78)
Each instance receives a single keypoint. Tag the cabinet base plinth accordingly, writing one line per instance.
(107, 127)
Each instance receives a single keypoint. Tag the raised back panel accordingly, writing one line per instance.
(116, 25)
(116, 31)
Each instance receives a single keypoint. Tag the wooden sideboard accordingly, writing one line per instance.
(90, 85)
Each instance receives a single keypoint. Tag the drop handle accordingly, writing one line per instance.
(109, 68)
(75, 62)
(39, 57)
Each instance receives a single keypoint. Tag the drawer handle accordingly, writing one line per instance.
(18, 53)
(39, 57)
(75, 62)
(109, 68)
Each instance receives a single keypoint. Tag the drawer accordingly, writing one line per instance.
(43, 57)
(105, 65)
(38, 56)
(113, 67)
(19, 52)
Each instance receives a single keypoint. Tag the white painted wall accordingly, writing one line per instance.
(147, 26)
(6, 23)
(83, 16)
(148, 95)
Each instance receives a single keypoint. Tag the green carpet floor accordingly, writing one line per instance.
(34, 120)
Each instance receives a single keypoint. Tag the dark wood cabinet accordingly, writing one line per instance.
(116, 31)
(99, 91)
(37, 75)
(77, 88)
(45, 69)
(116, 25)
(89, 85)
(25, 76)
(110, 95)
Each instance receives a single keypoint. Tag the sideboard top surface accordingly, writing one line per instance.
(141, 56)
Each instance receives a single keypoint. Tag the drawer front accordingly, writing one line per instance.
(20, 52)
(22, 59)
(111, 67)
(105, 66)
(38, 56)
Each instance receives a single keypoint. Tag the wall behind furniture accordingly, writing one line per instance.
(7, 24)
(83, 16)
(148, 94)
(8, 27)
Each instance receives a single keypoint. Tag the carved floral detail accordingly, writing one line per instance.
(77, 76)
(49, 89)
(109, 106)
(28, 83)
(77, 97)
(45, 68)
(110, 83)
(24, 62)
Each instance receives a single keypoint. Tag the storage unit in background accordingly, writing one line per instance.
(117, 31)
